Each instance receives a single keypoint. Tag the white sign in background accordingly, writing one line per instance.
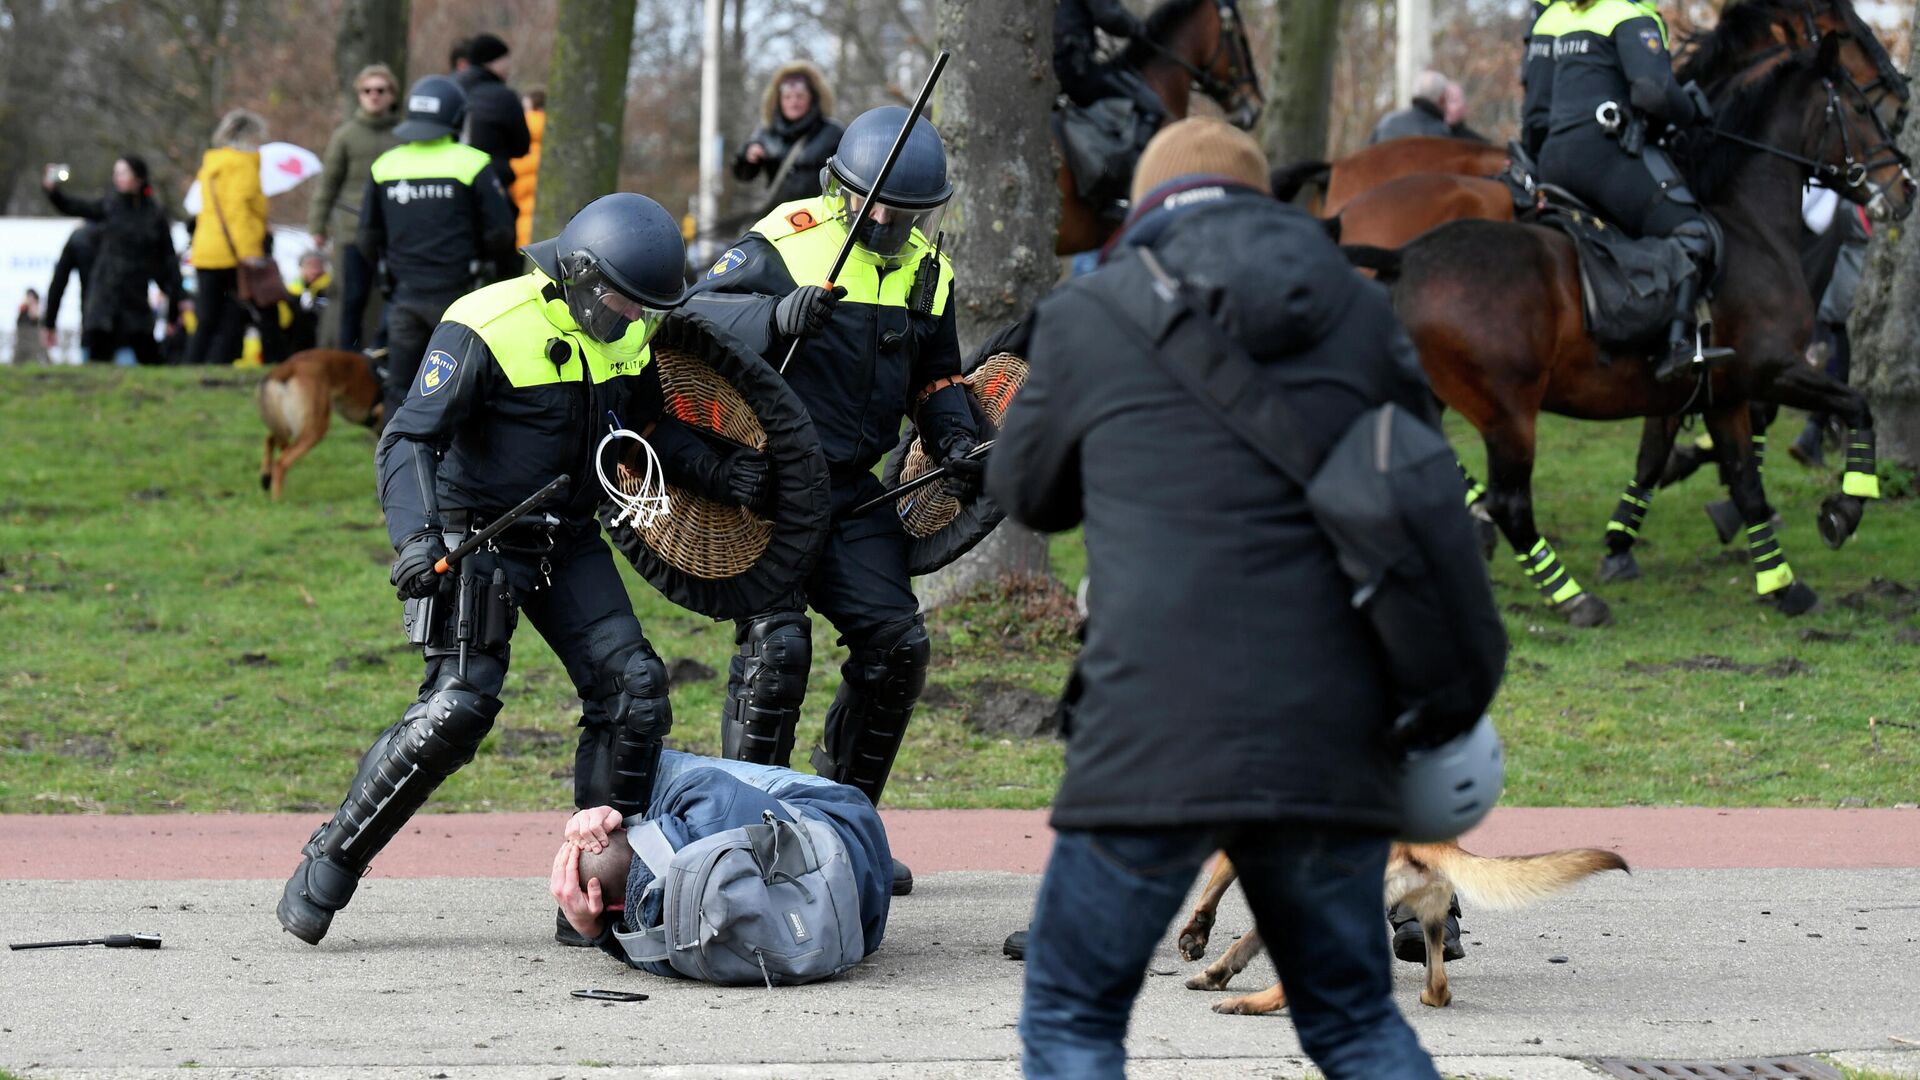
(30, 247)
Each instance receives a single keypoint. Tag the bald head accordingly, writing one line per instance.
(610, 864)
(1430, 85)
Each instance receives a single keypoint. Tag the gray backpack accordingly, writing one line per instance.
(772, 903)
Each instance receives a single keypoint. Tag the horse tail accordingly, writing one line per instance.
(1384, 262)
(1287, 180)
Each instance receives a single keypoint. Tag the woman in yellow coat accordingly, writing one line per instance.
(232, 225)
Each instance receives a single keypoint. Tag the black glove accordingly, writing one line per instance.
(805, 310)
(413, 573)
(965, 475)
(1702, 108)
(749, 480)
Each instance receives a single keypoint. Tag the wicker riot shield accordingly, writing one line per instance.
(941, 528)
(721, 560)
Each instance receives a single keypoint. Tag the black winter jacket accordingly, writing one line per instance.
(812, 139)
(495, 121)
(1227, 677)
(134, 247)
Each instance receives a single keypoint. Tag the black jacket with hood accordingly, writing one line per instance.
(1227, 678)
(134, 247)
(810, 140)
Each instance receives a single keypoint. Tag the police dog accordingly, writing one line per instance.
(296, 398)
(1423, 876)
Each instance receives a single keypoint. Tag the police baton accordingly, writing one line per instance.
(919, 482)
(879, 183)
(500, 524)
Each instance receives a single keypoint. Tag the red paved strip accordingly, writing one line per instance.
(227, 846)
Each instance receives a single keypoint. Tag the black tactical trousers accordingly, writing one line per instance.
(410, 322)
(1622, 187)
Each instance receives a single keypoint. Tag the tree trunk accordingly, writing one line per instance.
(1885, 327)
(586, 100)
(995, 102)
(1305, 36)
(371, 32)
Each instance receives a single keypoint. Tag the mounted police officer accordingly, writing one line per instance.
(434, 219)
(878, 345)
(519, 383)
(1083, 78)
(1612, 78)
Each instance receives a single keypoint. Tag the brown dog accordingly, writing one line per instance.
(295, 399)
(1425, 877)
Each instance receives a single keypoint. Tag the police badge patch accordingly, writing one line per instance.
(1651, 39)
(436, 371)
(730, 261)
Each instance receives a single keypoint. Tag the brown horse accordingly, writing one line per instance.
(1392, 214)
(1187, 44)
(1342, 181)
(1496, 310)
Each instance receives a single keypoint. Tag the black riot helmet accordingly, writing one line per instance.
(915, 191)
(436, 106)
(618, 263)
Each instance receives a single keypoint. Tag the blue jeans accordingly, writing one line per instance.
(1110, 894)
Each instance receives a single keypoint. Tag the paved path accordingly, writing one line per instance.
(1797, 933)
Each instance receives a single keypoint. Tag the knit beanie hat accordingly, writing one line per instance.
(485, 49)
(1198, 146)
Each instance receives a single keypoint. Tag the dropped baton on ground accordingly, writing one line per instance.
(111, 941)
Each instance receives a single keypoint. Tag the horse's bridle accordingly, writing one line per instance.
(1233, 35)
(1852, 171)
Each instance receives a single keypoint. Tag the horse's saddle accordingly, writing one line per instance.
(1102, 145)
(1627, 284)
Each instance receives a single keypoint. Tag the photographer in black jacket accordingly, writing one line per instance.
(1233, 697)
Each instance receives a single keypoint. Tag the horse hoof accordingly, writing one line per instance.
(1488, 532)
(1795, 599)
(1726, 519)
(1839, 518)
(1619, 566)
(1586, 611)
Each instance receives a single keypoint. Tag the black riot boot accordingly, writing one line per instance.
(1410, 942)
(867, 722)
(766, 683)
(404, 766)
(1688, 354)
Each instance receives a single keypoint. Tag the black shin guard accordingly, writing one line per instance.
(641, 718)
(868, 718)
(435, 738)
(766, 682)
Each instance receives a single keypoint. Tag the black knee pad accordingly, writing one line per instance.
(776, 653)
(639, 703)
(891, 664)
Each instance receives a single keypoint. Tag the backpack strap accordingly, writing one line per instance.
(1215, 368)
(650, 844)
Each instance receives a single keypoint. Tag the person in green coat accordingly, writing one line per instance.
(335, 212)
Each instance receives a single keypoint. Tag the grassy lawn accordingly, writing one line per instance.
(170, 640)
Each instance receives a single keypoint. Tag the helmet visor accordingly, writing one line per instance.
(885, 229)
(608, 315)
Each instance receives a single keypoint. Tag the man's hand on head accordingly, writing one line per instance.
(589, 830)
(582, 907)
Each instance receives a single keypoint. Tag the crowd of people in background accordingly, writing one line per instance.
(138, 307)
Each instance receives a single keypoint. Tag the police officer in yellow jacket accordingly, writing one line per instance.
(435, 220)
(878, 346)
(520, 382)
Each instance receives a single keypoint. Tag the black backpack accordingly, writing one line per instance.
(1389, 496)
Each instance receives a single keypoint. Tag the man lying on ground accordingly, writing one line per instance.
(798, 864)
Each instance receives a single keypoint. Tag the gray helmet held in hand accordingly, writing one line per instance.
(619, 261)
(1447, 790)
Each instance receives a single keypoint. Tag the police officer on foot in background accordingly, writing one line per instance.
(520, 382)
(435, 220)
(1613, 92)
(879, 346)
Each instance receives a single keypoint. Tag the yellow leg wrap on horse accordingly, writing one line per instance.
(1771, 581)
(1548, 575)
(1860, 485)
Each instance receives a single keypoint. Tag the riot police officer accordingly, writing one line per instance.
(880, 344)
(519, 382)
(434, 220)
(1612, 78)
